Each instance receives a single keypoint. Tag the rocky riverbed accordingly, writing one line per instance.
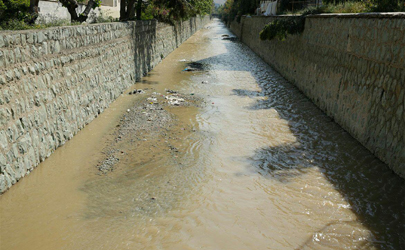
(149, 124)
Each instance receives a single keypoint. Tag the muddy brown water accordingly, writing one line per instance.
(258, 167)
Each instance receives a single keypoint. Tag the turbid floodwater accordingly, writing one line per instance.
(238, 158)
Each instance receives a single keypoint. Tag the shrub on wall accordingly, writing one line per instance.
(280, 28)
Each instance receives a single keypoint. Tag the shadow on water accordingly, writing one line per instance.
(144, 81)
(374, 192)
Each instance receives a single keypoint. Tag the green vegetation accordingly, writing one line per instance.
(236, 8)
(164, 10)
(13, 10)
(22, 14)
(348, 7)
(355, 7)
(280, 28)
(21, 25)
(289, 25)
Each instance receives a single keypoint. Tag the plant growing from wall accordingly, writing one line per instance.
(281, 27)
(284, 26)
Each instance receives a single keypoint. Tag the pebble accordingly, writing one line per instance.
(153, 99)
(174, 100)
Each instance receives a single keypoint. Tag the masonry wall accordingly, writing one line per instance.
(55, 81)
(352, 66)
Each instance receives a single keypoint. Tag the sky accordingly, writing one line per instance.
(219, 1)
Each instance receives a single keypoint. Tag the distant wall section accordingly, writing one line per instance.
(352, 66)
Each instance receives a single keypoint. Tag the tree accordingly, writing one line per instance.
(172, 10)
(226, 11)
(71, 6)
(131, 7)
(33, 10)
(127, 10)
(28, 11)
(139, 10)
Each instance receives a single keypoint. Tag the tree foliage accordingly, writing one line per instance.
(293, 25)
(14, 9)
(281, 27)
(284, 26)
(18, 12)
(173, 10)
(164, 10)
(237, 8)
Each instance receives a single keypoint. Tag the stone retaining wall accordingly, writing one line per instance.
(352, 66)
(55, 81)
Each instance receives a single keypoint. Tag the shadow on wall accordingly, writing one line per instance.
(374, 192)
(146, 43)
(144, 39)
(338, 63)
(147, 81)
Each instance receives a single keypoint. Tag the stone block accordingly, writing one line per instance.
(24, 144)
(2, 80)
(2, 43)
(3, 183)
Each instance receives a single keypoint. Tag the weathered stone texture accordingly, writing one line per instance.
(350, 66)
(53, 82)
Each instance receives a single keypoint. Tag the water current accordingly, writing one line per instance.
(258, 167)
